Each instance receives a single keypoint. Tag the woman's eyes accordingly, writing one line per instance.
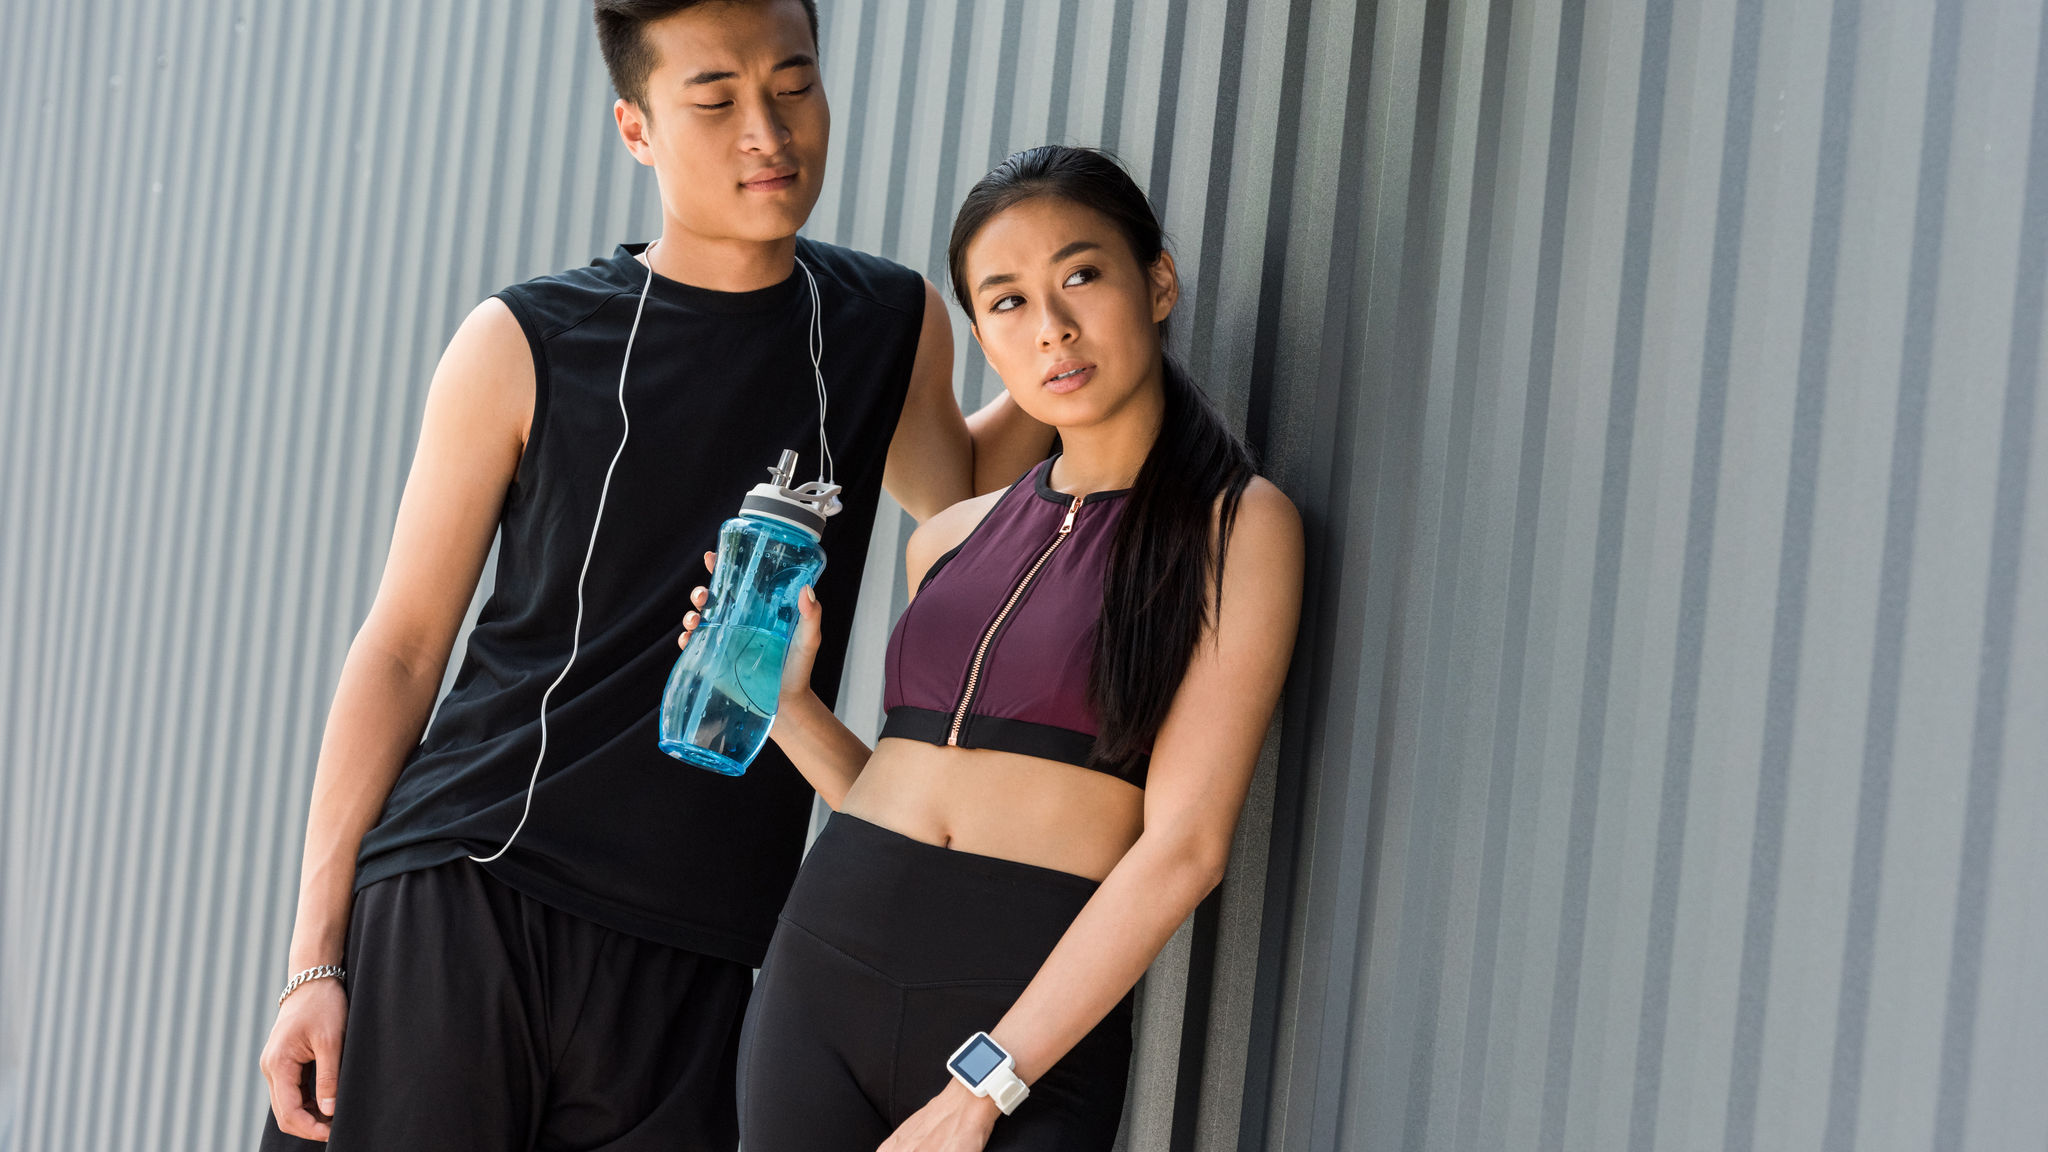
(1075, 279)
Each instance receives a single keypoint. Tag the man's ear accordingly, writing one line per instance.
(1165, 286)
(633, 130)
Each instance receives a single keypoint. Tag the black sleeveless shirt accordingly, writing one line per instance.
(720, 384)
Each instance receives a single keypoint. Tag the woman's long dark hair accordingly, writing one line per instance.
(1154, 596)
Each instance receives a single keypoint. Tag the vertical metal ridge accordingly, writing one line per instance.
(55, 606)
(130, 757)
(1790, 610)
(849, 136)
(1881, 723)
(1617, 455)
(1701, 511)
(901, 147)
(1989, 753)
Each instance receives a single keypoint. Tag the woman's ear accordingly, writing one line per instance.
(1165, 286)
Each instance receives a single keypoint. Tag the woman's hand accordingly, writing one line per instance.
(821, 747)
(955, 1120)
(803, 647)
(698, 596)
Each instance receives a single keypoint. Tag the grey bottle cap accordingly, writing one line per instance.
(805, 505)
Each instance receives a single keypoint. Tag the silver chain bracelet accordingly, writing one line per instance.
(323, 972)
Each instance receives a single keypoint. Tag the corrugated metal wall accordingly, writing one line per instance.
(1663, 764)
(1666, 767)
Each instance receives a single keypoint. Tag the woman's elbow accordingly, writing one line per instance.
(1196, 864)
(1210, 868)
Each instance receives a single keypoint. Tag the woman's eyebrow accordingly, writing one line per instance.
(1071, 250)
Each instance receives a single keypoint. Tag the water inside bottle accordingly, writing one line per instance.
(723, 690)
(728, 716)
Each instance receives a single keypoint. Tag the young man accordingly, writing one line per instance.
(582, 985)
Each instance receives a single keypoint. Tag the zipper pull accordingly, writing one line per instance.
(1067, 525)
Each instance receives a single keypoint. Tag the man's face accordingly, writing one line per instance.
(735, 125)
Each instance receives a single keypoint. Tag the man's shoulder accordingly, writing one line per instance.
(876, 278)
(550, 304)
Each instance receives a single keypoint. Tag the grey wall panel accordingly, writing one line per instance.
(1662, 761)
(1644, 774)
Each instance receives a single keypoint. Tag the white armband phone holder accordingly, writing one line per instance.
(986, 1069)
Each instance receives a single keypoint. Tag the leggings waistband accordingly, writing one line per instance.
(919, 913)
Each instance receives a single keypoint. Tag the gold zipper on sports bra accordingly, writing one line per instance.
(1016, 594)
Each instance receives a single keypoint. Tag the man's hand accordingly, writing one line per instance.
(308, 1031)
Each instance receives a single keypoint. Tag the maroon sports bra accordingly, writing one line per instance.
(996, 652)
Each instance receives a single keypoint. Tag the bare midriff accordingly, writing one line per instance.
(1003, 804)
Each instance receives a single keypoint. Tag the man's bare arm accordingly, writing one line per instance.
(938, 458)
(471, 437)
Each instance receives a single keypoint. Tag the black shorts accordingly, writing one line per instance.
(480, 1018)
(889, 954)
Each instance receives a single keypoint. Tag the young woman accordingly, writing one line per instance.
(1075, 699)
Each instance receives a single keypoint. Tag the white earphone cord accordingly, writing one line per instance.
(817, 342)
(817, 348)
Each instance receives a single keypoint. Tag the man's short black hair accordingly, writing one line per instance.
(626, 54)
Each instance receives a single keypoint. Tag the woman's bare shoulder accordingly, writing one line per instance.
(1263, 508)
(1265, 537)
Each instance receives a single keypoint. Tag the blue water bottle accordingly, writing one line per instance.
(721, 694)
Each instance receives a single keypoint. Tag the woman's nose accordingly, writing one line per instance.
(1056, 326)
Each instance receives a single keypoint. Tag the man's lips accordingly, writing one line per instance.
(772, 180)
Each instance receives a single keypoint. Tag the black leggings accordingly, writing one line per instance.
(889, 954)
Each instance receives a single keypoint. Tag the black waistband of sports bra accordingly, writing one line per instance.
(1025, 737)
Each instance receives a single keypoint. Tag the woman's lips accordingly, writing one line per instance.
(1065, 384)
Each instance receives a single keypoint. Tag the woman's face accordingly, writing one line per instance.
(1063, 310)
